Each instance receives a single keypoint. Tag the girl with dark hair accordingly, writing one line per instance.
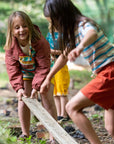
(81, 35)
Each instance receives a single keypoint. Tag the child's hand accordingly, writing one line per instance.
(20, 93)
(88, 39)
(45, 86)
(34, 94)
(75, 53)
(72, 55)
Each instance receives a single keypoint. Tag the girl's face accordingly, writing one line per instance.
(20, 30)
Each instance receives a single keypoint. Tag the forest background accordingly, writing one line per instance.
(102, 11)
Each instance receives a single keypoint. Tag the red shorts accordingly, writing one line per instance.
(101, 89)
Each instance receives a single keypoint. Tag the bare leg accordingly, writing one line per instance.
(109, 121)
(49, 105)
(60, 102)
(74, 109)
(23, 110)
(64, 100)
(58, 105)
(48, 102)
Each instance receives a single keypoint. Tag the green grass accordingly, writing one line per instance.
(5, 137)
(3, 79)
(81, 78)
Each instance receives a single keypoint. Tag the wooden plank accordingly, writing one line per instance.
(49, 122)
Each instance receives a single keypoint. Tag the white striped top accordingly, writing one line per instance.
(100, 52)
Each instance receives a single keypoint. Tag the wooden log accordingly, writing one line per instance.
(49, 122)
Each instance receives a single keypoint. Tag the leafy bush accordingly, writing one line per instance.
(81, 78)
(5, 136)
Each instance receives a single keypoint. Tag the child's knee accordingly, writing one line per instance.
(110, 130)
(69, 108)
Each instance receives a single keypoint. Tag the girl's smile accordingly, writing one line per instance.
(20, 30)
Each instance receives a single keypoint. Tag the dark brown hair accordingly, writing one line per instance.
(65, 17)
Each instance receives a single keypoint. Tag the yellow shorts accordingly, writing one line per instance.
(53, 80)
(61, 82)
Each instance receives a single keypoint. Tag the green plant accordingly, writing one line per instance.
(3, 79)
(95, 116)
(81, 78)
(5, 137)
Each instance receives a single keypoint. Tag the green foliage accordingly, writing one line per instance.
(101, 11)
(5, 137)
(96, 117)
(3, 79)
(81, 77)
(1, 48)
(27, 141)
(2, 40)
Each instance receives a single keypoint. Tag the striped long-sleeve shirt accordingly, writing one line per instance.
(100, 52)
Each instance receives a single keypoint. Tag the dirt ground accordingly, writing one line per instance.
(8, 101)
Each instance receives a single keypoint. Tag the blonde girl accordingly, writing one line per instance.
(27, 57)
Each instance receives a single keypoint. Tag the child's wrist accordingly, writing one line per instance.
(19, 90)
(81, 46)
(48, 78)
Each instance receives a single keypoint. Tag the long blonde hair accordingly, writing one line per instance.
(34, 35)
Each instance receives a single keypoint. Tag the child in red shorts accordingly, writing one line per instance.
(86, 37)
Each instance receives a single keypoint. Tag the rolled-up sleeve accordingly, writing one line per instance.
(13, 70)
(42, 63)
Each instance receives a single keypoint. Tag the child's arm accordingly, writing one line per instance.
(60, 62)
(88, 39)
(55, 52)
(42, 63)
(13, 70)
